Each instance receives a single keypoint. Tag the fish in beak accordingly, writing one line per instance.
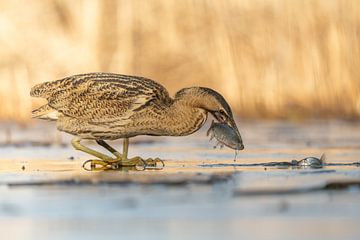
(226, 135)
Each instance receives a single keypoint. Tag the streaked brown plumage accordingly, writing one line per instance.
(107, 106)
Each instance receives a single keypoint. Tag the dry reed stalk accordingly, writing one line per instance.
(284, 59)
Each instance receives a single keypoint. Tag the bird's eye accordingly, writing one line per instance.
(222, 115)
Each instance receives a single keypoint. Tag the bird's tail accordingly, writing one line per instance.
(45, 112)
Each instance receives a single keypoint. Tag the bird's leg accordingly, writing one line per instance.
(132, 161)
(148, 162)
(120, 160)
(103, 161)
(125, 147)
(78, 146)
(109, 148)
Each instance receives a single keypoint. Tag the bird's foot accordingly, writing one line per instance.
(135, 163)
(155, 163)
(150, 163)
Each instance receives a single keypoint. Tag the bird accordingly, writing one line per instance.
(107, 106)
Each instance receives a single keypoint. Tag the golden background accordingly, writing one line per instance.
(270, 59)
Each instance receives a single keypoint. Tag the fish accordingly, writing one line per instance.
(225, 135)
(312, 162)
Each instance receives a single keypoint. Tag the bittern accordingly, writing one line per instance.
(108, 106)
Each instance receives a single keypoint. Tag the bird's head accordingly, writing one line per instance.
(212, 102)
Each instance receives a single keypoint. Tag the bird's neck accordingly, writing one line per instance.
(183, 117)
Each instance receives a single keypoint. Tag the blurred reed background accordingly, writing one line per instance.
(270, 59)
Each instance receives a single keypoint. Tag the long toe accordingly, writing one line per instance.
(155, 163)
(101, 165)
(96, 165)
(138, 162)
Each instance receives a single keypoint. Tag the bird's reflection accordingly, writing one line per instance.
(95, 165)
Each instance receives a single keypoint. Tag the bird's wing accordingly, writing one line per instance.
(104, 98)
